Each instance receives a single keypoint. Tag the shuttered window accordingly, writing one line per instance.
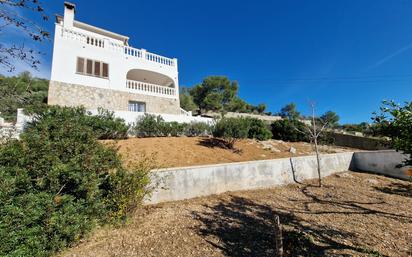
(80, 65)
(89, 67)
(92, 67)
(105, 70)
(97, 68)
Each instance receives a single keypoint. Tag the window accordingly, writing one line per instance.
(137, 106)
(97, 68)
(80, 65)
(105, 70)
(89, 67)
(92, 68)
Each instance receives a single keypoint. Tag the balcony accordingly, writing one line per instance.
(104, 43)
(150, 89)
(150, 83)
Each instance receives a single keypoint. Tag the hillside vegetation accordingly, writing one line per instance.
(21, 91)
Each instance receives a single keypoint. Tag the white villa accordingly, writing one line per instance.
(95, 68)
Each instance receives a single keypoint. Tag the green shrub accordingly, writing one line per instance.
(231, 130)
(258, 129)
(173, 129)
(195, 129)
(154, 126)
(106, 126)
(149, 125)
(57, 182)
(289, 130)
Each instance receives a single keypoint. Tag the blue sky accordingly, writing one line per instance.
(346, 55)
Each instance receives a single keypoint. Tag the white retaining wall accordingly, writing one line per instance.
(131, 117)
(383, 162)
(189, 182)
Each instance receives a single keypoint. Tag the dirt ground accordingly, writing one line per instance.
(189, 151)
(354, 214)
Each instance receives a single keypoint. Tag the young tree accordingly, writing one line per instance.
(214, 94)
(289, 111)
(395, 121)
(11, 19)
(314, 131)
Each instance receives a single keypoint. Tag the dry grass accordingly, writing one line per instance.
(354, 214)
(189, 151)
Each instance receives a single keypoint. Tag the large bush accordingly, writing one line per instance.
(289, 130)
(151, 125)
(231, 130)
(258, 129)
(104, 124)
(194, 129)
(57, 182)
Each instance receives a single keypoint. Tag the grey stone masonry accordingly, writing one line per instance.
(65, 94)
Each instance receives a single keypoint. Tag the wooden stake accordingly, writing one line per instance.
(278, 237)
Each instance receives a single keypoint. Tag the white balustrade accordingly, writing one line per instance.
(185, 113)
(150, 88)
(116, 47)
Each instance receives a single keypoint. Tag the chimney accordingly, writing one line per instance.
(69, 10)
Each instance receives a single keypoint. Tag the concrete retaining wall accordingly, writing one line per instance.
(382, 162)
(189, 182)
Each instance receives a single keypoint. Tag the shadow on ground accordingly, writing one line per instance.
(242, 227)
(397, 189)
(217, 143)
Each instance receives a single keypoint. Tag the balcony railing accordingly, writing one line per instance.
(116, 47)
(152, 89)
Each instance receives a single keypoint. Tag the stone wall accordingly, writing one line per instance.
(358, 142)
(65, 94)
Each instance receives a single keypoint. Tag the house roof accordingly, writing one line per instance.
(82, 25)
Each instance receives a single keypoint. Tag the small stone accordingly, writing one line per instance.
(344, 175)
(292, 150)
(372, 181)
(275, 150)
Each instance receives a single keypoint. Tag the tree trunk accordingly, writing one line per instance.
(318, 161)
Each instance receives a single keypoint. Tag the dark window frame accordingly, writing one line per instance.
(136, 106)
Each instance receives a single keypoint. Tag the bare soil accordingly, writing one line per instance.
(190, 151)
(353, 214)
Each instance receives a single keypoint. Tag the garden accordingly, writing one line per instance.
(75, 183)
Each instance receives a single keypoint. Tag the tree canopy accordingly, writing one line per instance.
(214, 93)
(290, 112)
(186, 100)
(395, 121)
(22, 91)
(217, 93)
(331, 117)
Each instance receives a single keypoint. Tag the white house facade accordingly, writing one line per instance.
(95, 68)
